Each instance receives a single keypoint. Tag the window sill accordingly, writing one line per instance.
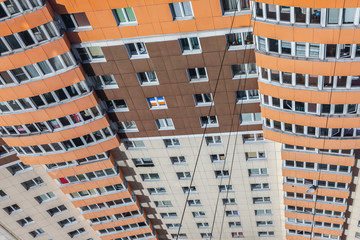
(97, 60)
(142, 56)
(125, 24)
(247, 101)
(119, 110)
(107, 87)
(128, 130)
(133, 149)
(237, 12)
(214, 144)
(205, 105)
(172, 146)
(149, 84)
(183, 18)
(241, 76)
(241, 47)
(197, 80)
(250, 123)
(259, 175)
(79, 29)
(191, 52)
(69, 224)
(210, 126)
(165, 129)
(158, 108)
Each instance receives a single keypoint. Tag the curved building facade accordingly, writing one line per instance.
(307, 55)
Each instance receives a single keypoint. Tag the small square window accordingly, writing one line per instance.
(171, 142)
(124, 16)
(147, 78)
(190, 45)
(165, 124)
(209, 121)
(157, 103)
(137, 50)
(181, 10)
(76, 21)
(197, 74)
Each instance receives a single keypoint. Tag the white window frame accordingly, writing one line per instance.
(132, 144)
(209, 121)
(168, 215)
(124, 126)
(181, 8)
(143, 162)
(260, 155)
(35, 182)
(25, 221)
(99, 82)
(226, 188)
(203, 102)
(173, 143)
(222, 174)
(191, 50)
(217, 158)
(148, 81)
(127, 20)
(249, 98)
(178, 160)
(157, 191)
(253, 118)
(263, 186)
(213, 140)
(165, 124)
(114, 107)
(190, 190)
(261, 170)
(262, 212)
(156, 103)
(183, 175)
(147, 177)
(46, 197)
(263, 200)
(140, 53)
(90, 58)
(198, 77)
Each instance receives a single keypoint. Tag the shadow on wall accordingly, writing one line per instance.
(140, 192)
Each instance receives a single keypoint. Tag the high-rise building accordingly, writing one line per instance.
(164, 119)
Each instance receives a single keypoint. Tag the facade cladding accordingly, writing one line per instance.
(163, 119)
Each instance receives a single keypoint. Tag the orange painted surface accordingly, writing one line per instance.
(26, 21)
(103, 198)
(334, 97)
(119, 223)
(292, 237)
(308, 120)
(90, 167)
(59, 136)
(153, 18)
(34, 88)
(317, 176)
(308, 66)
(314, 218)
(311, 142)
(72, 155)
(34, 55)
(127, 233)
(47, 114)
(92, 184)
(317, 158)
(307, 34)
(319, 191)
(314, 4)
(115, 210)
(317, 205)
(310, 229)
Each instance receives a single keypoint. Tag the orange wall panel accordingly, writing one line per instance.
(126, 233)
(314, 218)
(310, 229)
(72, 155)
(317, 158)
(317, 175)
(61, 135)
(319, 191)
(92, 184)
(115, 210)
(317, 205)
(119, 223)
(311, 142)
(315, 4)
(34, 55)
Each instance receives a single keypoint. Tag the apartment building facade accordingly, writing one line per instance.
(143, 119)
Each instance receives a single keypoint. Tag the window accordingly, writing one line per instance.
(190, 45)
(217, 158)
(18, 168)
(203, 225)
(157, 191)
(264, 223)
(12, 209)
(76, 21)
(206, 235)
(173, 225)
(229, 201)
(181, 10)
(179, 160)
(266, 234)
(128, 126)
(197, 74)
(164, 124)
(226, 188)
(248, 138)
(104, 82)
(57, 210)
(257, 200)
(45, 197)
(190, 190)
(134, 144)
(163, 203)
(222, 174)
(250, 118)
(179, 236)
(37, 232)
(230, 6)
(10, 7)
(263, 212)
(183, 175)
(232, 213)
(171, 142)
(35, 182)
(257, 171)
(117, 105)
(150, 177)
(124, 16)
(66, 222)
(241, 70)
(143, 162)
(2, 194)
(137, 50)
(213, 140)
(234, 224)
(147, 78)
(203, 99)
(255, 155)
(25, 221)
(238, 40)
(168, 215)
(89, 54)
(209, 121)
(247, 95)
(76, 232)
(237, 234)
(199, 214)
(157, 103)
